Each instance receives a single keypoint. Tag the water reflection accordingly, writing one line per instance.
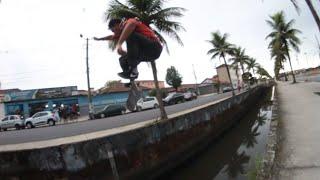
(234, 154)
(236, 164)
(249, 139)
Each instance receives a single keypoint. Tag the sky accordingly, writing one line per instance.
(40, 44)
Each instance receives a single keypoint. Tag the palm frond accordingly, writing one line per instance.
(296, 6)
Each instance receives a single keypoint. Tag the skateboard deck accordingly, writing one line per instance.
(134, 95)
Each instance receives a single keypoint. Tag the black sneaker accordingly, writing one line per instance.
(134, 75)
(125, 75)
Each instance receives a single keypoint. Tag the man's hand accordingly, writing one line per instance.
(120, 50)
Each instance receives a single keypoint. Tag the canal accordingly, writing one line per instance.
(236, 155)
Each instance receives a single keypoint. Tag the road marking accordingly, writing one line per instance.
(93, 135)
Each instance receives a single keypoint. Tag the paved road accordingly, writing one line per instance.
(300, 129)
(45, 133)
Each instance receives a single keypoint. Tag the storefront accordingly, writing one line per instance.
(28, 102)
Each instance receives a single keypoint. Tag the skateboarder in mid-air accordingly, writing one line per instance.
(142, 44)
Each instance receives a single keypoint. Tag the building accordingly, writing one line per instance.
(28, 102)
(150, 84)
(224, 78)
(2, 95)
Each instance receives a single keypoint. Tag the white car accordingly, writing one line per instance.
(147, 103)
(11, 121)
(41, 118)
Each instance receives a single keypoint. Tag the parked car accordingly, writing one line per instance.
(41, 118)
(147, 103)
(174, 99)
(226, 89)
(189, 96)
(11, 121)
(110, 110)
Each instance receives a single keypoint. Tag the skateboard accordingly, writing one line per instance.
(134, 95)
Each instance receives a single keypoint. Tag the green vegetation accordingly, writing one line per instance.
(173, 78)
(283, 38)
(252, 174)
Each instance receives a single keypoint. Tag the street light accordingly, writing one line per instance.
(91, 110)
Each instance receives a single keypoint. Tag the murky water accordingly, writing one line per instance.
(236, 154)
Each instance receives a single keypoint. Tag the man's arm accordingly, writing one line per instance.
(127, 30)
(107, 38)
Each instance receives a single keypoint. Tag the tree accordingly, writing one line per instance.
(163, 93)
(239, 56)
(151, 13)
(246, 77)
(173, 78)
(279, 54)
(318, 46)
(221, 48)
(283, 37)
(110, 84)
(251, 65)
(262, 72)
(312, 9)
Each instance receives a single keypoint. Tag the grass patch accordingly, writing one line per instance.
(252, 174)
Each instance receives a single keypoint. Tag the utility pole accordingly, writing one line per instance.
(91, 110)
(195, 77)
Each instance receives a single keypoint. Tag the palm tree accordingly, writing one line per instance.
(263, 72)
(312, 9)
(318, 45)
(221, 48)
(283, 36)
(239, 56)
(279, 54)
(151, 13)
(251, 65)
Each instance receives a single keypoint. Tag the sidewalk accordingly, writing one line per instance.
(68, 121)
(299, 153)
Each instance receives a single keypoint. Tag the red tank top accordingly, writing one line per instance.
(143, 29)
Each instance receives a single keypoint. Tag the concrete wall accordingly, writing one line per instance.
(141, 152)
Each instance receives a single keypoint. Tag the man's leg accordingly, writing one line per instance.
(140, 48)
(123, 61)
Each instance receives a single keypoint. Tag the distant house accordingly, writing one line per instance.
(223, 77)
(150, 84)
